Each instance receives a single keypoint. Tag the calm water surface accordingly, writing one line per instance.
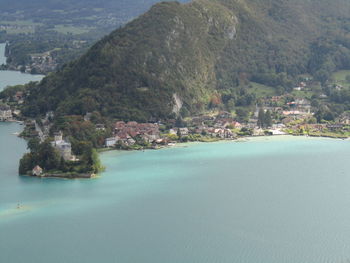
(272, 200)
(9, 78)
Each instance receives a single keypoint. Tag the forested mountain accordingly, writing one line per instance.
(182, 58)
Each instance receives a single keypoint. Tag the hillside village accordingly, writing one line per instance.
(289, 115)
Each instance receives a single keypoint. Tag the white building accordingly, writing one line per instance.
(110, 142)
(5, 113)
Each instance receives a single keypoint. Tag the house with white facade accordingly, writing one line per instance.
(5, 113)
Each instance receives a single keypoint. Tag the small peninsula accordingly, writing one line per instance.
(54, 159)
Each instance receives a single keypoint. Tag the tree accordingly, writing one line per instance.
(63, 166)
(261, 118)
(267, 119)
(87, 155)
(230, 104)
(347, 78)
(26, 164)
(242, 114)
(48, 157)
(322, 75)
(33, 145)
(179, 122)
(97, 165)
(178, 133)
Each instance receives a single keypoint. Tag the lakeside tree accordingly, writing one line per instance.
(33, 145)
(264, 119)
(242, 114)
(267, 119)
(261, 118)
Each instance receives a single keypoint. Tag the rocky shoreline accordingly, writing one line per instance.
(66, 176)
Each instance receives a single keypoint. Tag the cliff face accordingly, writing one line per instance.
(176, 57)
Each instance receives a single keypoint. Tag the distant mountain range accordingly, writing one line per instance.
(180, 58)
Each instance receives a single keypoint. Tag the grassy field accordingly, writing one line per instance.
(340, 77)
(71, 29)
(20, 23)
(262, 91)
(19, 26)
(302, 94)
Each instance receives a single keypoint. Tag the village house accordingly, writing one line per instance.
(196, 121)
(221, 133)
(224, 123)
(227, 123)
(338, 87)
(179, 131)
(237, 125)
(301, 86)
(110, 142)
(163, 141)
(18, 97)
(201, 129)
(335, 127)
(344, 118)
(278, 126)
(252, 123)
(276, 132)
(5, 113)
(224, 114)
(296, 114)
(49, 115)
(277, 98)
(300, 104)
(312, 127)
(303, 104)
(87, 116)
(37, 171)
(173, 132)
(100, 127)
(183, 131)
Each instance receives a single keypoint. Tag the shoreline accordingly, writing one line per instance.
(178, 144)
(68, 176)
(238, 140)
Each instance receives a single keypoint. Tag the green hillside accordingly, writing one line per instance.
(184, 58)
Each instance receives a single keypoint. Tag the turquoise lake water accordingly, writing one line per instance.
(9, 78)
(269, 200)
